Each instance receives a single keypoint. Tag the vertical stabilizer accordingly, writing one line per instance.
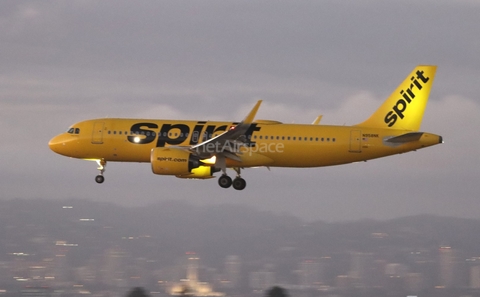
(404, 108)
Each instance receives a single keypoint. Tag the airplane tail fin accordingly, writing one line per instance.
(404, 108)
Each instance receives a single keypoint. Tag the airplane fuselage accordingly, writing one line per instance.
(269, 143)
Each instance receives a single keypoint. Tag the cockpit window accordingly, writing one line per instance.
(73, 131)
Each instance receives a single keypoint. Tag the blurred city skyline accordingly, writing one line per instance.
(211, 60)
(92, 248)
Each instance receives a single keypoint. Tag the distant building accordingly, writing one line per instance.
(360, 266)
(342, 282)
(395, 273)
(36, 292)
(475, 277)
(447, 266)
(233, 270)
(309, 273)
(113, 269)
(415, 282)
(261, 280)
(191, 286)
(396, 270)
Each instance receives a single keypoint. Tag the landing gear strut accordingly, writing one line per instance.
(238, 183)
(101, 166)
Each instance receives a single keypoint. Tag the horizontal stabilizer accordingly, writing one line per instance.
(408, 137)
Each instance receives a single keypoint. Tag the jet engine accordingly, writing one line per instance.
(178, 162)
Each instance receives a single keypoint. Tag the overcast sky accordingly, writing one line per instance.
(66, 61)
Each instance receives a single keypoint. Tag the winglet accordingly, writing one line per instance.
(249, 118)
(317, 120)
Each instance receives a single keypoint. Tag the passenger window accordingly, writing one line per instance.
(333, 139)
(294, 138)
(288, 138)
(260, 136)
(316, 138)
(195, 137)
(114, 132)
(328, 139)
(311, 138)
(109, 132)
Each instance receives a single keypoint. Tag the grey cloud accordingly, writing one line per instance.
(63, 62)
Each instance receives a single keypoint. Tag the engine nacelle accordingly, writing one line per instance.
(201, 172)
(178, 162)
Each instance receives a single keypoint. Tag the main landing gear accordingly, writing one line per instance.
(101, 166)
(238, 183)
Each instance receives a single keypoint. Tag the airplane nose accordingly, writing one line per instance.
(56, 144)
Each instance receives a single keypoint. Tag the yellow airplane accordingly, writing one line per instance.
(198, 149)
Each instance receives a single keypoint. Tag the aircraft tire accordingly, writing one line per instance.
(239, 183)
(99, 179)
(225, 181)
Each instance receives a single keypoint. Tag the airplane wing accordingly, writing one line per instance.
(228, 143)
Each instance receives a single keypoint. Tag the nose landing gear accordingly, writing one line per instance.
(101, 166)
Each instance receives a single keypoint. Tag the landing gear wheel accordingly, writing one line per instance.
(101, 166)
(99, 179)
(225, 181)
(239, 183)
